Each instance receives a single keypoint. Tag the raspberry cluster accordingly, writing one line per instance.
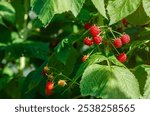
(124, 39)
(95, 38)
(95, 33)
(50, 81)
(118, 43)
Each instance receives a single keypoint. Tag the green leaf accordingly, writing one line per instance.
(36, 77)
(100, 5)
(114, 61)
(28, 48)
(109, 82)
(4, 81)
(93, 59)
(137, 44)
(84, 15)
(63, 49)
(7, 12)
(147, 85)
(1, 21)
(141, 73)
(13, 89)
(70, 62)
(96, 58)
(48, 8)
(141, 17)
(119, 9)
(146, 5)
(19, 6)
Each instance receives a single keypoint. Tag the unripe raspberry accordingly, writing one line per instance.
(88, 41)
(49, 88)
(84, 58)
(94, 30)
(117, 43)
(122, 57)
(97, 40)
(87, 26)
(45, 71)
(125, 39)
(62, 83)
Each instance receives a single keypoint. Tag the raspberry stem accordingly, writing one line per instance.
(84, 33)
(111, 42)
(117, 32)
(111, 32)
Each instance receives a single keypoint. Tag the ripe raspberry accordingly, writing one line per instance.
(84, 58)
(62, 83)
(125, 38)
(44, 73)
(117, 43)
(97, 39)
(87, 26)
(94, 30)
(122, 57)
(49, 88)
(88, 41)
(50, 85)
(124, 22)
(48, 92)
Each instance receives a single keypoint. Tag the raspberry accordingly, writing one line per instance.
(50, 85)
(49, 88)
(122, 57)
(88, 42)
(45, 71)
(124, 22)
(62, 83)
(84, 58)
(97, 39)
(87, 26)
(117, 43)
(125, 38)
(48, 92)
(94, 30)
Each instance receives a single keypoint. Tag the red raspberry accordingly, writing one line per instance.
(124, 22)
(117, 43)
(49, 88)
(87, 26)
(94, 30)
(48, 92)
(122, 57)
(97, 39)
(88, 41)
(84, 58)
(125, 38)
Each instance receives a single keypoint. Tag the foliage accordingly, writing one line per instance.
(49, 33)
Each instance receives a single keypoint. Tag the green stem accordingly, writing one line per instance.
(112, 32)
(117, 32)
(103, 26)
(84, 33)
(98, 48)
(61, 74)
(108, 63)
(111, 42)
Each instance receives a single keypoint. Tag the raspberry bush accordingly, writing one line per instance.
(75, 49)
